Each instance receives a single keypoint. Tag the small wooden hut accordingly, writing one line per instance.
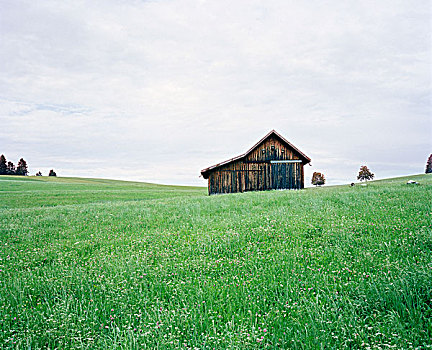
(272, 163)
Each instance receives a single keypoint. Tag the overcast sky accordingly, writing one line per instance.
(158, 90)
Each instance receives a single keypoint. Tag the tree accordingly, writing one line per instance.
(10, 168)
(52, 173)
(318, 179)
(22, 168)
(365, 174)
(3, 165)
(429, 165)
(38, 173)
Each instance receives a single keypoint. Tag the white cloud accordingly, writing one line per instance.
(165, 88)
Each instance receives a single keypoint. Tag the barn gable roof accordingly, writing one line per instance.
(304, 157)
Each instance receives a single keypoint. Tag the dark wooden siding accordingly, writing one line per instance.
(286, 175)
(255, 172)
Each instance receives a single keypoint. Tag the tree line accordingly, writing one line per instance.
(9, 168)
(318, 179)
(364, 174)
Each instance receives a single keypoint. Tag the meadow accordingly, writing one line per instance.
(90, 263)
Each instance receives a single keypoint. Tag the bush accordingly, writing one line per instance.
(318, 179)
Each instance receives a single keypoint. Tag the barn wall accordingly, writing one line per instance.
(265, 152)
(254, 172)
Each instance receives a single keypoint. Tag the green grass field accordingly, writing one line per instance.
(87, 263)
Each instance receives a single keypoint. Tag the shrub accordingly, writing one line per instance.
(318, 179)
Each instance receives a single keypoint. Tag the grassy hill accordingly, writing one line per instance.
(87, 263)
(37, 191)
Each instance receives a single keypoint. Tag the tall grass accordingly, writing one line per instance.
(130, 266)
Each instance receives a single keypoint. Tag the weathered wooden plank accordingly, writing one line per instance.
(271, 165)
(287, 161)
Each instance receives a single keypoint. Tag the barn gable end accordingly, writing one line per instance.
(272, 163)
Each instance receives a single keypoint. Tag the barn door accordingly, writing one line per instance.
(279, 175)
(285, 175)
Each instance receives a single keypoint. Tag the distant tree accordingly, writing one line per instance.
(365, 174)
(3, 165)
(429, 165)
(10, 168)
(38, 173)
(22, 168)
(52, 173)
(318, 179)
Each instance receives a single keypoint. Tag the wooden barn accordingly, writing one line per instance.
(272, 163)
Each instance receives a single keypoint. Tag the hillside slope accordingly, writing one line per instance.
(34, 191)
(331, 267)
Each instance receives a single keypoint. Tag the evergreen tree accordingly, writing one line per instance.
(318, 179)
(365, 174)
(3, 165)
(22, 168)
(429, 165)
(52, 173)
(10, 168)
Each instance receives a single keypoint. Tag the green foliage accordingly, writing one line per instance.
(52, 173)
(109, 264)
(429, 165)
(365, 174)
(10, 168)
(22, 168)
(3, 165)
(318, 179)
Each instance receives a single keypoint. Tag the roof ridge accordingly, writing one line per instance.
(273, 131)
